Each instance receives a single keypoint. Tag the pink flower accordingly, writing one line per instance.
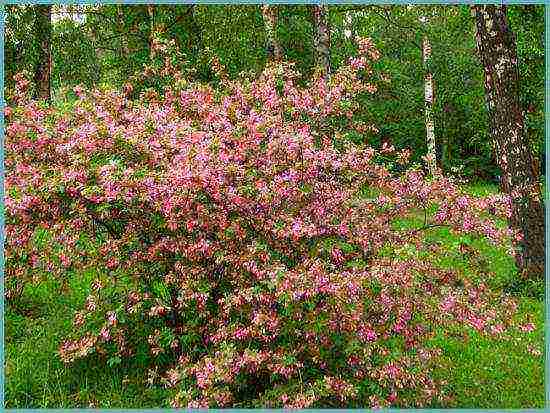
(337, 255)
(527, 328)
(343, 229)
(241, 333)
(65, 261)
(462, 202)
(112, 263)
(477, 322)
(497, 329)
(368, 334)
(447, 304)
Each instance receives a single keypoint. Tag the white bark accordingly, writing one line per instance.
(270, 16)
(349, 31)
(428, 107)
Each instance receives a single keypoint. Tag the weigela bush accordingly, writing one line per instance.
(243, 243)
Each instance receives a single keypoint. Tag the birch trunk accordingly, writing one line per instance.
(151, 13)
(273, 47)
(43, 32)
(121, 28)
(321, 38)
(349, 31)
(520, 175)
(428, 106)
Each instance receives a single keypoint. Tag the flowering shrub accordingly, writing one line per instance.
(237, 234)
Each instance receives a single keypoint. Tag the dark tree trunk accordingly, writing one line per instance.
(520, 174)
(273, 47)
(321, 37)
(43, 33)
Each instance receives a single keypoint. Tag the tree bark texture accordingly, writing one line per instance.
(151, 15)
(43, 33)
(270, 14)
(429, 105)
(520, 175)
(349, 30)
(321, 37)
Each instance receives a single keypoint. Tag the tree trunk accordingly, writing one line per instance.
(349, 30)
(321, 38)
(151, 14)
(43, 33)
(428, 106)
(520, 175)
(125, 49)
(273, 47)
(195, 29)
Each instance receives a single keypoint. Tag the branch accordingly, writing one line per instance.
(388, 19)
(428, 226)
(188, 12)
(130, 33)
(95, 13)
(86, 202)
(106, 48)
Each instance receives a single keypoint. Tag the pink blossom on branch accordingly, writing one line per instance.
(238, 220)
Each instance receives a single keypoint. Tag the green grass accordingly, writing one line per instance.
(36, 377)
(482, 372)
(496, 373)
(489, 372)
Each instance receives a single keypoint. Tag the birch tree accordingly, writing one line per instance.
(520, 175)
(429, 101)
(411, 22)
(321, 37)
(43, 33)
(152, 30)
(270, 14)
(349, 29)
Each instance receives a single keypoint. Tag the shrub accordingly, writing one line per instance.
(236, 234)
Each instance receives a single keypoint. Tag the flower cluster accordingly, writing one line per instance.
(237, 234)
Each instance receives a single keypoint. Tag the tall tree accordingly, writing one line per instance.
(429, 104)
(43, 33)
(270, 14)
(321, 37)
(120, 27)
(412, 22)
(520, 175)
(349, 29)
(151, 14)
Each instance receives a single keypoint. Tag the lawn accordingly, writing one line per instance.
(482, 372)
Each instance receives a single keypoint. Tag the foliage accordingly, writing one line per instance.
(460, 115)
(70, 44)
(460, 118)
(528, 24)
(20, 48)
(239, 238)
(113, 42)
